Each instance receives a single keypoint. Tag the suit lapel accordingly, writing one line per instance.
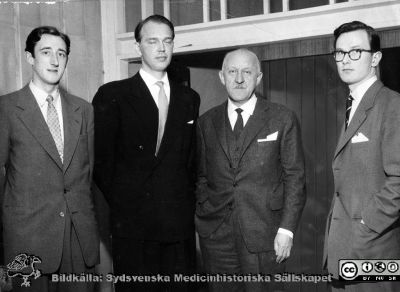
(72, 120)
(33, 120)
(144, 107)
(359, 117)
(255, 124)
(218, 120)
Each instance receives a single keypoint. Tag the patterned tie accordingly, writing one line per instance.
(238, 128)
(349, 103)
(162, 113)
(54, 126)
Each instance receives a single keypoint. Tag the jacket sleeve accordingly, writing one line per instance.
(106, 123)
(201, 172)
(4, 146)
(383, 208)
(292, 160)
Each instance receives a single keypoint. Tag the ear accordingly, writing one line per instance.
(376, 58)
(259, 77)
(29, 58)
(221, 77)
(137, 48)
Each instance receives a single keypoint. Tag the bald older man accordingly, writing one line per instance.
(250, 181)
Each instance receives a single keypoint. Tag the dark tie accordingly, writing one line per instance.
(54, 126)
(349, 103)
(238, 128)
(162, 113)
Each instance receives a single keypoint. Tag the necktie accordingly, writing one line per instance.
(238, 128)
(54, 126)
(162, 113)
(349, 103)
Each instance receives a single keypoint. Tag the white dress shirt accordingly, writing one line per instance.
(358, 94)
(40, 97)
(150, 82)
(248, 110)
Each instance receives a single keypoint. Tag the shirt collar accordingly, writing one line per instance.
(248, 107)
(41, 95)
(361, 89)
(150, 80)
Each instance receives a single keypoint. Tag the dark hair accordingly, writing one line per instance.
(154, 18)
(373, 36)
(36, 34)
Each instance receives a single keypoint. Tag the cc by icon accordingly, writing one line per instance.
(349, 270)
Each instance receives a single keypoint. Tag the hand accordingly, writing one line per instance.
(282, 244)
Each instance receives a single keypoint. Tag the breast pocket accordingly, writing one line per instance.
(266, 149)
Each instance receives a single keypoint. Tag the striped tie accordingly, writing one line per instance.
(349, 102)
(54, 126)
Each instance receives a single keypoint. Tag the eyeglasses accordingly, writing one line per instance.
(354, 54)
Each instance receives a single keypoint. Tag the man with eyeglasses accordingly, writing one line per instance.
(363, 222)
(144, 144)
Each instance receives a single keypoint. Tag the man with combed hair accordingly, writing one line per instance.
(250, 180)
(46, 150)
(145, 141)
(363, 222)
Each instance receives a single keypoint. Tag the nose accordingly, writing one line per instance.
(346, 58)
(239, 77)
(54, 60)
(161, 46)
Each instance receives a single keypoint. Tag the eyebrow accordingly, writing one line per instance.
(352, 47)
(49, 48)
(156, 38)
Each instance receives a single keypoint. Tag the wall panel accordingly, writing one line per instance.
(80, 19)
(311, 88)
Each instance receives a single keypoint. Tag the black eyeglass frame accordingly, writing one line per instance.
(350, 53)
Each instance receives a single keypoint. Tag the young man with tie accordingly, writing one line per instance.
(363, 222)
(46, 161)
(145, 138)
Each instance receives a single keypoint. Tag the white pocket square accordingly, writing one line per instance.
(191, 122)
(359, 137)
(271, 137)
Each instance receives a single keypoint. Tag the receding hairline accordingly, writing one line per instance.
(243, 51)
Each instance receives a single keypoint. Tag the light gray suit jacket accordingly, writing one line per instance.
(36, 188)
(266, 183)
(366, 169)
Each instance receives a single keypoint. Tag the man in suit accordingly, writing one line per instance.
(46, 158)
(364, 219)
(145, 138)
(250, 184)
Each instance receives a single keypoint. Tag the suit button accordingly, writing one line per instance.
(235, 184)
(61, 214)
(65, 191)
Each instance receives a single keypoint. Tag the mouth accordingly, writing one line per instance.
(347, 70)
(161, 58)
(53, 70)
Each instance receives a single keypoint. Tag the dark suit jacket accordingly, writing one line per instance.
(266, 184)
(367, 183)
(38, 187)
(150, 197)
